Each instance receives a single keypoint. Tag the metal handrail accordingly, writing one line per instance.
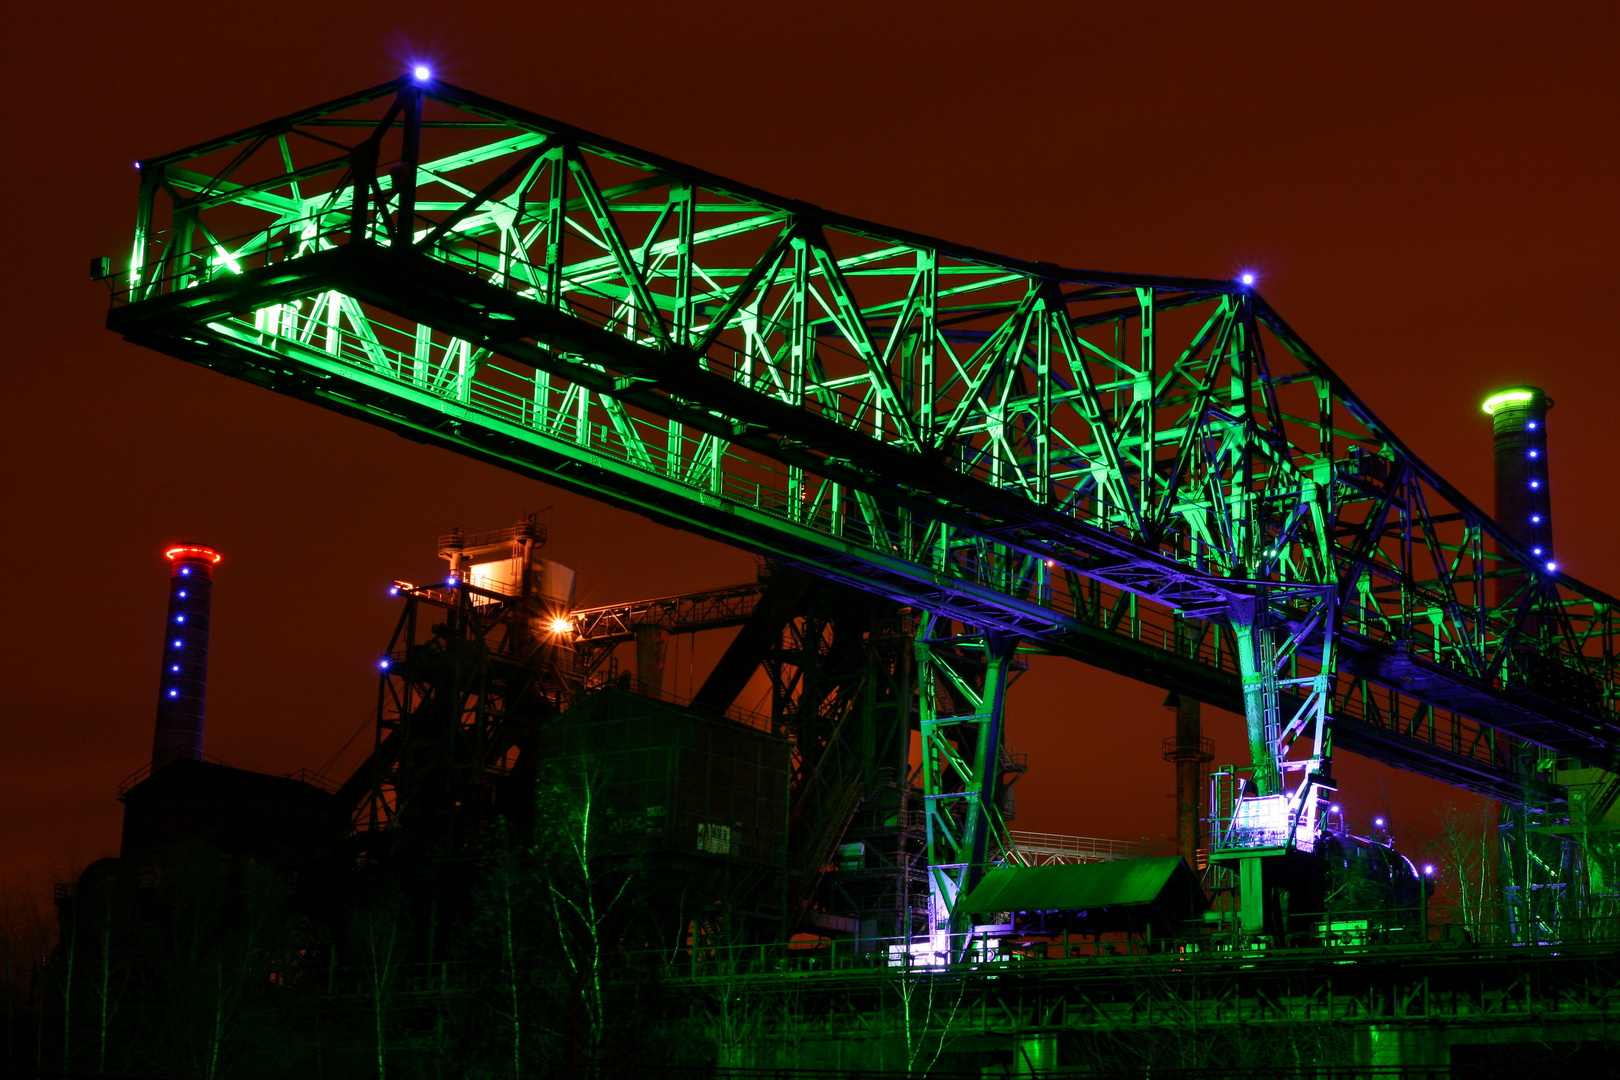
(1394, 933)
(144, 771)
(1087, 848)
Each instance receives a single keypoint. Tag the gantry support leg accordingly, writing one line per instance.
(1284, 645)
(962, 684)
(1256, 657)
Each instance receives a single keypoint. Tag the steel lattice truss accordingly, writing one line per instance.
(1021, 447)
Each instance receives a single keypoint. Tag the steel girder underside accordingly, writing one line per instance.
(1149, 473)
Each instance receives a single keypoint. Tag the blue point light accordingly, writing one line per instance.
(178, 643)
(179, 618)
(1247, 279)
(174, 693)
(1531, 425)
(393, 590)
(1534, 453)
(1552, 567)
(185, 570)
(1535, 551)
(1536, 518)
(383, 664)
(1378, 821)
(1535, 483)
(451, 581)
(182, 594)
(421, 73)
(176, 667)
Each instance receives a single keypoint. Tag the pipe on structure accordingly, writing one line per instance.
(1523, 481)
(1189, 751)
(183, 688)
(652, 644)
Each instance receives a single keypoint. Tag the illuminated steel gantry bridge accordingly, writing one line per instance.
(1152, 474)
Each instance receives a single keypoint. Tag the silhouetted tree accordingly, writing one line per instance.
(24, 940)
(582, 892)
(379, 936)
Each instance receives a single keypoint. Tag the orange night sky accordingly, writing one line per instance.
(1426, 191)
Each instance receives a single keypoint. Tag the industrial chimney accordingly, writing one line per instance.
(183, 688)
(1523, 483)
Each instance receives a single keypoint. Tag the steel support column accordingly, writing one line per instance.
(962, 684)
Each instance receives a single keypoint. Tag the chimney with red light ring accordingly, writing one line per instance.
(183, 689)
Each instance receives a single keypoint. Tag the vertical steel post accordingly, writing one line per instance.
(405, 171)
(1188, 750)
(961, 717)
(1259, 679)
(652, 643)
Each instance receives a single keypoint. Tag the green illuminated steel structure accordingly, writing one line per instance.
(1154, 474)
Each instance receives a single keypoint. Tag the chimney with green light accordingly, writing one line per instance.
(1523, 482)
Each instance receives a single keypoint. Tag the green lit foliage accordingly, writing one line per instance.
(231, 943)
(521, 1000)
(583, 896)
(927, 1007)
(187, 972)
(379, 935)
(1467, 852)
(544, 934)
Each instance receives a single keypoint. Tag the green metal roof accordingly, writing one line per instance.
(1074, 887)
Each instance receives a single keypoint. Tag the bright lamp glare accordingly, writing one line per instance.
(561, 626)
(1379, 822)
(422, 72)
(1247, 279)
